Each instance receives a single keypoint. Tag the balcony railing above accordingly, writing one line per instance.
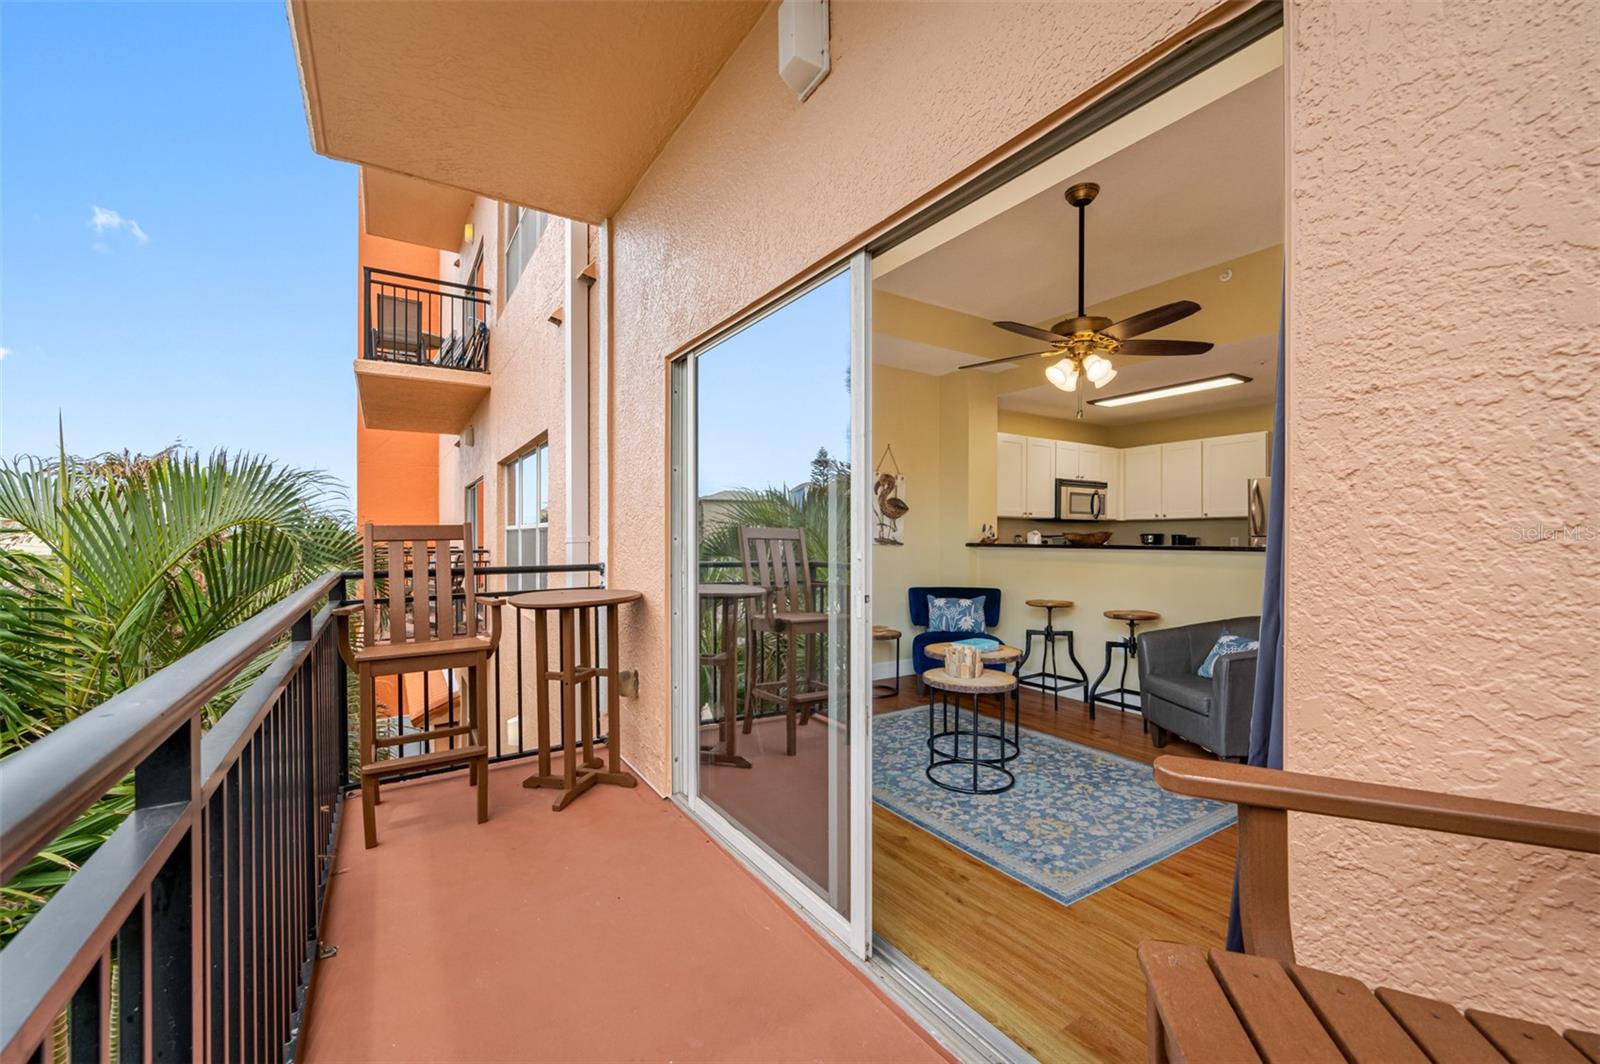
(424, 321)
(424, 364)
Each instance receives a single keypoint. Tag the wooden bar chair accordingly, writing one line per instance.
(1261, 1005)
(410, 623)
(775, 559)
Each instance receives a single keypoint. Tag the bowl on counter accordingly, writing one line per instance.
(1085, 539)
(1152, 539)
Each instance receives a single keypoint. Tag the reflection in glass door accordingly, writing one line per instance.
(770, 714)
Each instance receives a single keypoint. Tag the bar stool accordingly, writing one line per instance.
(1118, 696)
(1047, 679)
(883, 633)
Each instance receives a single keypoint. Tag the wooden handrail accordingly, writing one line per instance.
(1300, 792)
(1266, 797)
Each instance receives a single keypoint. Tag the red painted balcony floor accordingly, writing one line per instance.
(615, 930)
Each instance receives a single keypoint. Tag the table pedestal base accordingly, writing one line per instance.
(589, 773)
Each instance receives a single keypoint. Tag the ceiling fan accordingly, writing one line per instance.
(1083, 343)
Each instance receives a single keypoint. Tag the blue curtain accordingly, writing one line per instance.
(1266, 709)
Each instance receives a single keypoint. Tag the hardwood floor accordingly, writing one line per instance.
(1061, 981)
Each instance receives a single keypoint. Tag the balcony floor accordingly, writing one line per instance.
(615, 930)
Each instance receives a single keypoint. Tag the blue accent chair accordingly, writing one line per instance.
(917, 601)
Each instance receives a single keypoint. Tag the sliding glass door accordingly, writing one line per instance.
(771, 684)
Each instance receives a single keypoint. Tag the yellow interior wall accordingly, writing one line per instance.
(942, 431)
(1193, 426)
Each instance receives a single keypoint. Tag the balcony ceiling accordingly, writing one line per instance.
(416, 211)
(559, 105)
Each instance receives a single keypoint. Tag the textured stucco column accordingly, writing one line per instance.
(1444, 227)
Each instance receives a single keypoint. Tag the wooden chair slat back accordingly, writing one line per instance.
(407, 568)
(775, 558)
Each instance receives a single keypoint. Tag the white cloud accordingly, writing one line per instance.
(4, 351)
(102, 220)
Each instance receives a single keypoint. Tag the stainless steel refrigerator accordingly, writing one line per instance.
(1260, 501)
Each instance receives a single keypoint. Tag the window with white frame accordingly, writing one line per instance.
(528, 516)
(523, 227)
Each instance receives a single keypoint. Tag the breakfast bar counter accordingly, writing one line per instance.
(1123, 546)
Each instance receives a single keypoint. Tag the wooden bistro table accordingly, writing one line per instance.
(577, 671)
(1001, 655)
(723, 602)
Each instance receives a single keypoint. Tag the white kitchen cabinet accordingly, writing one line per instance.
(1141, 483)
(1011, 478)
(1039, 495)
(1228, 463)
(1181, 489)
(1068, 456)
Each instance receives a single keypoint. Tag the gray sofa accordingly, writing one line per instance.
(1213, 713)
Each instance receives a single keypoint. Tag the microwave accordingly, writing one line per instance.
(1080, 500)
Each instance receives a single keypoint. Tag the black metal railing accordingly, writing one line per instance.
(424, 321)
(191, 932)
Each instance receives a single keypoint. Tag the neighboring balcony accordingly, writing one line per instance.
(424, 364)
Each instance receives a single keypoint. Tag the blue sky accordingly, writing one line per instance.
(212, 298)
(773, 393)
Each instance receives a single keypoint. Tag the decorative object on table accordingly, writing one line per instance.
(1049, 678)
(987, 533)
(579, 669)
(1338, 1018)
(888, 500)
(1086, 539)
(1077, 821)
(963, 755)
(399, 636)
(1152, 539)
(992, 654)
(962, 662)
(1082, 345)
(917, 607)
(1121, 696)
(1215, 712)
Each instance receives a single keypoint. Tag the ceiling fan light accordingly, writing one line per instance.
(1098, 369)
(1063, 375)
(1105, 379)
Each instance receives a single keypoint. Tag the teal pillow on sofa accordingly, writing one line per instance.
(1226, 644)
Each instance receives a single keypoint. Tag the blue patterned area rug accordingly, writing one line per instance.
(1078, 820)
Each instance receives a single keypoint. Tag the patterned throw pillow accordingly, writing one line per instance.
(1226, 644)
(955, 614)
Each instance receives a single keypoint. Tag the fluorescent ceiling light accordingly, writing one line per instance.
(1203, 385)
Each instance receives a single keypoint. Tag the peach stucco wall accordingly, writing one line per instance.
(755, 188)
(1444, 403)
(397, 473)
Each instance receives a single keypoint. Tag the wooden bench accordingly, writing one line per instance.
(1262, 1006)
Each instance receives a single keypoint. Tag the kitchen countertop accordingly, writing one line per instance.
(1123, 546)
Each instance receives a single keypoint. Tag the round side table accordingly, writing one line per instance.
(1001, 655)
(882, 633)
(963, 756)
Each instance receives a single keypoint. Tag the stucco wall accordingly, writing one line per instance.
(1443, 346)
(755, 187)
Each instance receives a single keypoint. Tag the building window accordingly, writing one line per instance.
(523, 226)
(528, 516)
(472, 513)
